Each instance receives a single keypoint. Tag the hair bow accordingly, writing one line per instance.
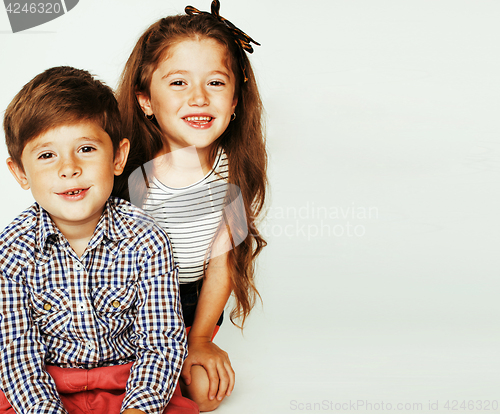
(241, 38)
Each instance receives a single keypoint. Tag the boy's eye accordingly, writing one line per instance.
(178, 83)
(45, 156)
(216, 83)
(87, 149)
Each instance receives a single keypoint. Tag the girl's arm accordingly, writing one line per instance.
(215, 292)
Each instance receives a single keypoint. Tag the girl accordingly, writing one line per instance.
(192, 110)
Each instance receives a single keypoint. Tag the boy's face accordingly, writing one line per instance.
(70, 170)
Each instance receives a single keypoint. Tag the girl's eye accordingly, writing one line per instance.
(178, 83)
(45, 156)
(216, 83)
(87, 149)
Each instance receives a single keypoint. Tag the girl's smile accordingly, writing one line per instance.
(192, 94)
(199, 121)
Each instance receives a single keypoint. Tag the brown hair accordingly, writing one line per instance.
(59, 96)
(243, 140)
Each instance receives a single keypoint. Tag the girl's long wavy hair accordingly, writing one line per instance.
(243, 140)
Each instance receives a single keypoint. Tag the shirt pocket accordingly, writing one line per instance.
(115, 307)
(52, 312)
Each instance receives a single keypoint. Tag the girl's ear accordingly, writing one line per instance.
(235, 102)
(144, 103)
(121, 156)
(18, 174)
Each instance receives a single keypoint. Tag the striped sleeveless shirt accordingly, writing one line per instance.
(191, 216)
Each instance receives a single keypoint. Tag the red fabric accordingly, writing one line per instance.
(99, 391)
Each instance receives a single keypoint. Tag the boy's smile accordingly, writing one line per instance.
(70, 170)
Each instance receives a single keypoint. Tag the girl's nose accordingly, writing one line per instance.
(69, 168)
(198, 96)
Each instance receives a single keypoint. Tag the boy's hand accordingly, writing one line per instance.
(133, 411)
(202, 351)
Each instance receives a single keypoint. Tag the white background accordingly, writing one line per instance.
(380, 281)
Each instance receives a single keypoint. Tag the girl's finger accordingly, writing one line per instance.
(213, 379)
(232, 379)
(223, 381)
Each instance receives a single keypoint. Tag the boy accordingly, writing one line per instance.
(88, 288)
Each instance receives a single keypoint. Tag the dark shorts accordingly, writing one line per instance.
(189, 300)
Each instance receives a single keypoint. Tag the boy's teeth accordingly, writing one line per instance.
(198, 118)
(74, 192)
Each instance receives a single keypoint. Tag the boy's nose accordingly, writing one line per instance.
(69, 169)
(198, 97)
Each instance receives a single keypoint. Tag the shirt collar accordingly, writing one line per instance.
(45, 227)
(113, 225)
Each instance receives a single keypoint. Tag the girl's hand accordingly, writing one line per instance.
(216, 362)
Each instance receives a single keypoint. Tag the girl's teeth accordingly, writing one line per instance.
(198, 118)
(74, 192)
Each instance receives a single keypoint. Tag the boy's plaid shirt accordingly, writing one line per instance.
(118, 303)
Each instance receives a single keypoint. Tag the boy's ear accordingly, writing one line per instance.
(121, 156)
(144, 103)
(18, 173)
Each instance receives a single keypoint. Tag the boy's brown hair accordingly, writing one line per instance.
(59, 96)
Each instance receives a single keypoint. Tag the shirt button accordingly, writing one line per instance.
(78, 266)
(89, 345)
(81, 306)
(47, 306)
(115, 304)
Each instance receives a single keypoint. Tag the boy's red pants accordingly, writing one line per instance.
(100, 390)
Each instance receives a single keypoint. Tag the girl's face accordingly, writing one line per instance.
(192, 94)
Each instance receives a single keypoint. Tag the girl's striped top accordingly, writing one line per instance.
(191, 216)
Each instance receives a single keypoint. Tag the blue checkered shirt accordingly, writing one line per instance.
(117, 303)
